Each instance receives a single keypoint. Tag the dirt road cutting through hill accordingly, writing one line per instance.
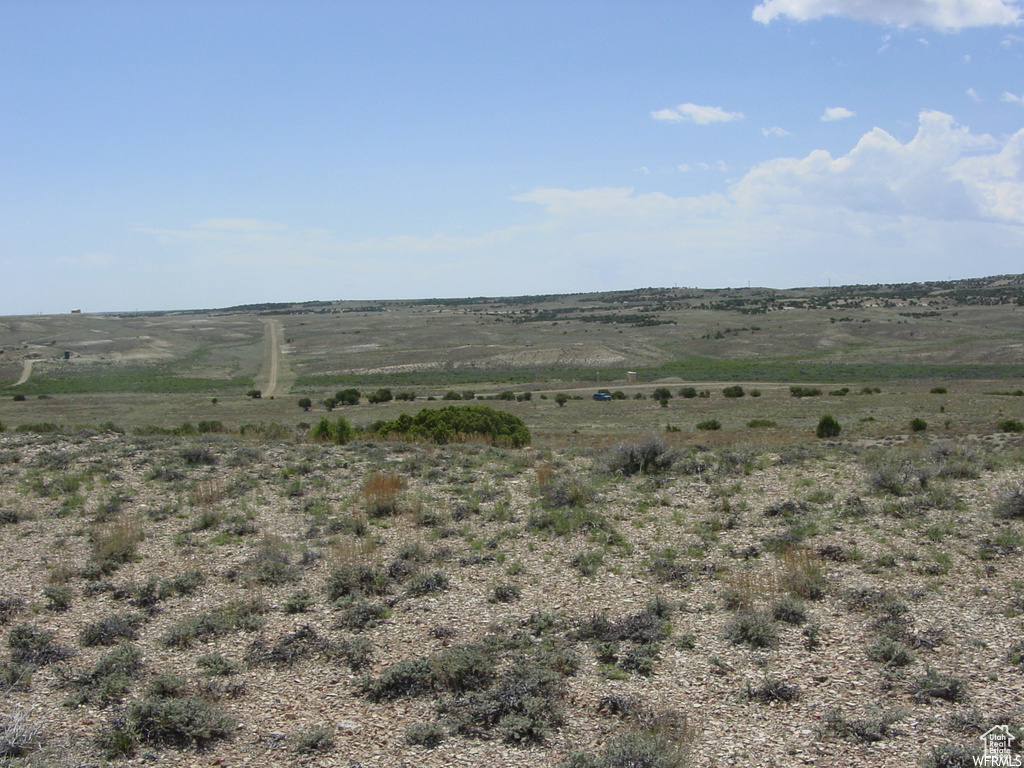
(275, 376)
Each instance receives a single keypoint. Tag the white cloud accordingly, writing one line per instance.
(775, 131)
(945, 202)
(973, 94)
(945, 15)
(836, 113)
(694, 113)
(1010, 98)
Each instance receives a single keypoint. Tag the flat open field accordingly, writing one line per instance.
(190, 578)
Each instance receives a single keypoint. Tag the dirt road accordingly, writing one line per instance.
(274, 376)
(26, 371)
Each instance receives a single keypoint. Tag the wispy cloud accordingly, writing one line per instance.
(944, 15)
(1010, 98)
(694, 113)
(836, 113)
(973, 94)
(775, 131)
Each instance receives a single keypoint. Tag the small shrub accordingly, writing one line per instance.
(952, 756)
(804, 392)
(318, 739)
(566, 491)
(1010, 503)
(33, 645)
(890, 652)
(179, 722)
(58, 597)
(709, 424)
(874, 727)
(216, 664)
(505, 593)
(734, 391)
(18, 735)
(111, 630)
(761, 423)
(298, 602)
(647, 457)
(752, 628)
(427, 735)
(427, 583)
(939, 685)
(938, 390)
(587, 563)
(1010, 425)
(771, 690)
(790, 610)
(918, 425)
(828, 427)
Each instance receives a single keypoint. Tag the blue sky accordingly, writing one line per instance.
(174, 154)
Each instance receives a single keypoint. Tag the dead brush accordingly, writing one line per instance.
(206, 493)
(802, 573)
(382, 493)
(747, 589)
(545, 474)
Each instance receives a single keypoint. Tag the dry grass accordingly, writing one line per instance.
(382, 492)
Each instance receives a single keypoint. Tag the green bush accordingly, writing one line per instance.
(347, 397)
(937, 390)
(709, 424)
(804, 392)
(1010, 425)
(688, 392)
(458, 423)
(761, 423)
(828, 426)
(338, 431)
(305, 403)
(734, 391)
(918, 425)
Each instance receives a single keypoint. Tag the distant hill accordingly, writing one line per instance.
(972, 328)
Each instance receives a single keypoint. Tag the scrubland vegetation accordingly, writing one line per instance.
(794, 537)
(273, 595)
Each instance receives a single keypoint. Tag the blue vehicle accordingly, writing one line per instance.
(602, 396)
